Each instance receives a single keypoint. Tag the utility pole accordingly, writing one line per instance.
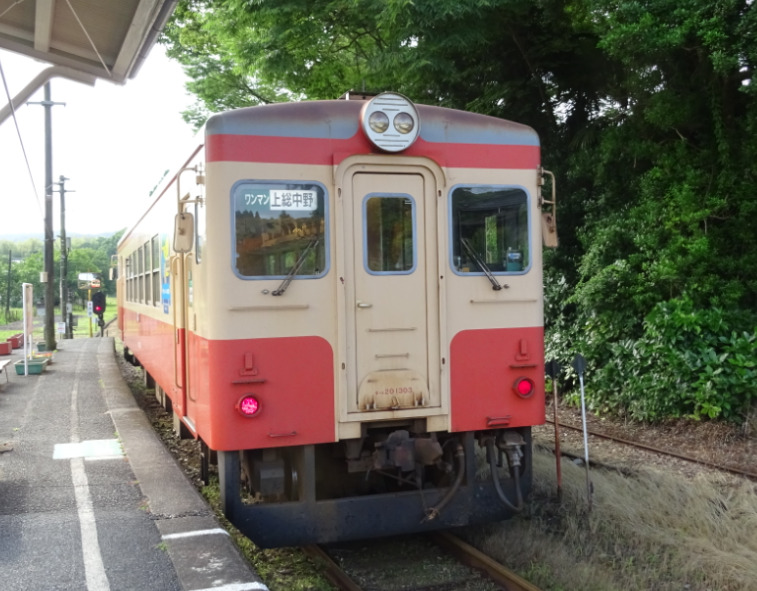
(49, 273)
(8, 294)
(64, 314)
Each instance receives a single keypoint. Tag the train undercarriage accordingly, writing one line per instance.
(324, 493)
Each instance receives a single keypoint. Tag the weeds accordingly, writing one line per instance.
(652, 530)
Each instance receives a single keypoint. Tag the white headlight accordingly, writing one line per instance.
(388, 107)
(404, 123)
(378, 122)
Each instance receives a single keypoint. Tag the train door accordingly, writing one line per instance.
(189, 397)
(181, 295)
(178, 300)
(393, 311)
(185, 243)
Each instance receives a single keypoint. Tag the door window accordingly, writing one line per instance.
(389, 234)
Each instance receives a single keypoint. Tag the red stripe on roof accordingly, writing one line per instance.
(304, 150)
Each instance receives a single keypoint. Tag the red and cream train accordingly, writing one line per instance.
(343, 301)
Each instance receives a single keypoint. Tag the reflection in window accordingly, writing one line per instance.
(389, 234)
(275, 224)
(493, 221)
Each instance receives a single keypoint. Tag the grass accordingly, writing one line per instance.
(653, 530)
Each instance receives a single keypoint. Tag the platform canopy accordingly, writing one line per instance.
(106, 39)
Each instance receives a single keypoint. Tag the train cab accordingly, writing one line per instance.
(343, 302)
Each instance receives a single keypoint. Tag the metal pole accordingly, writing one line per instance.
(586, 441)
(8, 296)
(27, 305)
(64, 259)
(49, 239)
(553, 371)
(579, 364)
(49, 246)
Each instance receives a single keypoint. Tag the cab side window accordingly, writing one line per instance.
(490, 229)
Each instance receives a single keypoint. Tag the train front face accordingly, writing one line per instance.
(373, 330)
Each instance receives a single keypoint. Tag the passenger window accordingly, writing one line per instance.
(279, 227)
(489, 229)
(389, 234)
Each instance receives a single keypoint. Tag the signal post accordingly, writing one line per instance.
(95, 301)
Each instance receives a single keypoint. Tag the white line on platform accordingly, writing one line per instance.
(191, 534)
(238, 587)
(94, 449)
(94, 569)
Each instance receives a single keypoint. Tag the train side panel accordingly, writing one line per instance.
(153, 290)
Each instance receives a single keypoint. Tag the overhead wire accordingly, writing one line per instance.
(21, 140)
(12, 106)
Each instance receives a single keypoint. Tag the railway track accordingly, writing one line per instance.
(415, 564)
(650, 448)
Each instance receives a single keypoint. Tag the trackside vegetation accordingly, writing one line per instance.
(647, 113)
(647, 530)
(23, 261)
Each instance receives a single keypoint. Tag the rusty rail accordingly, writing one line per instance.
(458, 549)
(474, 558)
(665, 452)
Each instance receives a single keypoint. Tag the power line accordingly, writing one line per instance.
(21, 141)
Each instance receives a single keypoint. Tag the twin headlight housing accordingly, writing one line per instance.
(390, 121)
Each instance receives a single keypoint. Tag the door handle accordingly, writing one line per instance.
(364, 304)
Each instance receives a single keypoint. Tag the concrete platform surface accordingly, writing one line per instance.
(90, 499)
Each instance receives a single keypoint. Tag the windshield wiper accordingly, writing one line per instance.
(479, 261)
(295, 268)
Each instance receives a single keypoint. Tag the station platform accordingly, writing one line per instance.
(90, 499)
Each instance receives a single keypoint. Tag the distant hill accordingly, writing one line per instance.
(41, 236)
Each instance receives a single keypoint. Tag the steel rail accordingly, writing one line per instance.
(332, 571)
(476, 559)
(457, 548)
(653, 449)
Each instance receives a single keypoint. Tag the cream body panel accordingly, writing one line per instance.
(472, 303)
(237, 308)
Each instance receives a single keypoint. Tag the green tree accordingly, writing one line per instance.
(668, 198)
(646, 112)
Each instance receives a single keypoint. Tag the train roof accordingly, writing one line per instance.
(340, 119)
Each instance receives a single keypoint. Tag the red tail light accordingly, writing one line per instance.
(248, 406)
(524, 387)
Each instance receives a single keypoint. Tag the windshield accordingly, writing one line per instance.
(278, 227)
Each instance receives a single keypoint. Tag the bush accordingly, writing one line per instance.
(699, 363)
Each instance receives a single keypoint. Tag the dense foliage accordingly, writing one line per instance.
(22, 262)
(647, 115)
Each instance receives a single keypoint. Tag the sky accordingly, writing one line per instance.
(112, 142)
